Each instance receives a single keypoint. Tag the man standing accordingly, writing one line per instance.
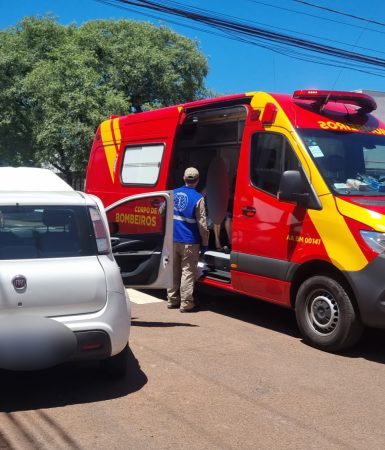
(190, 233)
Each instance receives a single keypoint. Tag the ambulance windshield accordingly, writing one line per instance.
(350, 163)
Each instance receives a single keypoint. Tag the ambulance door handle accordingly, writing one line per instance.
(249, 211)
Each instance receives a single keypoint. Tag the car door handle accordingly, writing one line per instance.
(248, 211)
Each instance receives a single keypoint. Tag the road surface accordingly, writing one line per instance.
(235, 375)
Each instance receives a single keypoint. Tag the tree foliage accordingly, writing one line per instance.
(57, 83)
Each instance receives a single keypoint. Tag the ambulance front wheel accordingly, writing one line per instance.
(326, 316)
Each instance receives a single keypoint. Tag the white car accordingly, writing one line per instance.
(61, 292)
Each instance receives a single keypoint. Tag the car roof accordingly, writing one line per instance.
(35, 186)
(29, 179)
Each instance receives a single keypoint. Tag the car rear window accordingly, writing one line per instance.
(28, 232)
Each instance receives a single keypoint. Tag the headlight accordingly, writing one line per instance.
(374, 240)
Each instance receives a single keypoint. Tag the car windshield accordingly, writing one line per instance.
(350, 163)
(45, 232)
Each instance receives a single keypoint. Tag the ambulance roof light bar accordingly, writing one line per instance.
(321, 98)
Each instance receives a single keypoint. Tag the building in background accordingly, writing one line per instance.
(379, 97)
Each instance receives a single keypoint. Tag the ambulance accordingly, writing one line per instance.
(305, 174)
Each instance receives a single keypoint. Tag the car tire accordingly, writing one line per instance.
(116, 366)
(326, 315)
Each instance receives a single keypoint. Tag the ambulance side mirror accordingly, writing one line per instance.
(294, 188)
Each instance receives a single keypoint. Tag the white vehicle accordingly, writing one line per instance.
(61, 292)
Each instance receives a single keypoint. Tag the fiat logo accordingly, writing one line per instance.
(19, 282)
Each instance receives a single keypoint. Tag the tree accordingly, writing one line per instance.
(57, 83)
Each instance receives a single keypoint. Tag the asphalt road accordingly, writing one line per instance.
(235, 375)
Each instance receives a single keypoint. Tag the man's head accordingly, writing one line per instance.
(191, 176)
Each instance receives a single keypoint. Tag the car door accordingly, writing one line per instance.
(141, 237)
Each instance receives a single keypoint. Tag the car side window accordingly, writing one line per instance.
(271, 154)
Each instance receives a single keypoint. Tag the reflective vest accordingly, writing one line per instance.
(186, 229)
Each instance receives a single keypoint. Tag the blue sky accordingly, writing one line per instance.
(238, 67)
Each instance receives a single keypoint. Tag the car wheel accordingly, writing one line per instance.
(326, 316)
(116, 366)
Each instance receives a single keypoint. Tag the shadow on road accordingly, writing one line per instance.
(67, 384)
(161, 294)
(247, 309)
(240, 307)
(141, 323)
(370, 347)
(257, 312)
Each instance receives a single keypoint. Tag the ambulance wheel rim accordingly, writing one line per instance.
(322, 312)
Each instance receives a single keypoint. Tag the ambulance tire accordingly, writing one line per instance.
(326, 315)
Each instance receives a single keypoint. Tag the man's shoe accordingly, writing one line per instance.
(189, 310)
(171, 306)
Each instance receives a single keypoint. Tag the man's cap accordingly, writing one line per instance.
(191, 174)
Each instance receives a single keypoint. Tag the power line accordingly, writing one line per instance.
(335, 11)
(272, 27)
(228, 36)
(252, 33)
(327, 19)
(325, 39)
(320, 60)
(298, 55)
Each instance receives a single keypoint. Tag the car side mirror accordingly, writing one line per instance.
(294, 188)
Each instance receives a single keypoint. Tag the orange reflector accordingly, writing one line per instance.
(95, 346)
(254, 115)
(269, 114)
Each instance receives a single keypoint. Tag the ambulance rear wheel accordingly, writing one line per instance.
(326, 316)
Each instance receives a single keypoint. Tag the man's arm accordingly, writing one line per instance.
(200, 215)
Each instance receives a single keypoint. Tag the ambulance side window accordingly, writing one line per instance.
(271, 154)
(141, 164)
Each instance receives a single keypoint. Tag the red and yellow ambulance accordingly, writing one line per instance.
(306, 173)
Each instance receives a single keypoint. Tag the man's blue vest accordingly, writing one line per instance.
(186, 229)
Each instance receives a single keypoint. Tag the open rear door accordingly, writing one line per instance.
(141, 236)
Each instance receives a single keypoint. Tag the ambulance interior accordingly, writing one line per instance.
(210, 140)
(351, 163)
